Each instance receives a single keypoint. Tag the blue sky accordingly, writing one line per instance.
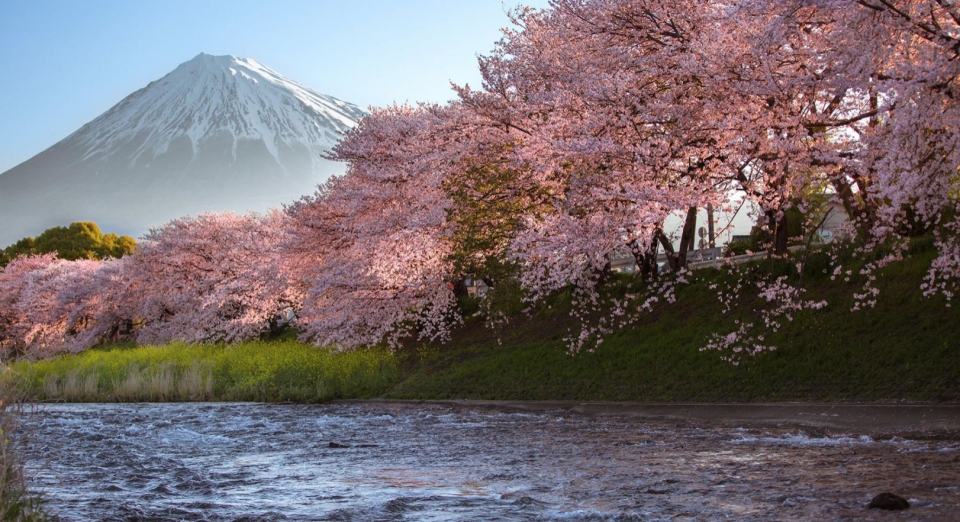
(65, 62)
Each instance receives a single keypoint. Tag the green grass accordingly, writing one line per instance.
(255, 371)
(906, 348)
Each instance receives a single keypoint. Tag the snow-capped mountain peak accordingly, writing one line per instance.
(216, 133)
(214, 94)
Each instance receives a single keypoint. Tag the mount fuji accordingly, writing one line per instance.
(218, 133)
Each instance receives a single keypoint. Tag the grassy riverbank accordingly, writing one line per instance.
(259, 371)
(907, 348)
(17, 502)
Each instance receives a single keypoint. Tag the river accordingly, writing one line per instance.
(392, 462)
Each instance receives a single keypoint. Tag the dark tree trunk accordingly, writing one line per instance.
(603, 275)
(651, 260)
(780, 246)
(677, 259)
(672, 259)
(777, 232)
(274, 327)
(858, 210)
(687, 236)
(646, 259)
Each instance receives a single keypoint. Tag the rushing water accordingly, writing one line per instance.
(257, 462)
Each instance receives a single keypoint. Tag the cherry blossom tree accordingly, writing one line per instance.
(631, 110)
(432, 194)
(910, 51)
(15, 280)
(53, 306)
(883, 79)
(210, 278)
(871, 84)
(379, 235)
(594, 111)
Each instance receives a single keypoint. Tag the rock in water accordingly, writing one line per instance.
(888, 501)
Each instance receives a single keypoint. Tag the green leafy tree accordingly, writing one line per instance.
(489, 202)
(80, 240)
(116, 246)
(24, 247)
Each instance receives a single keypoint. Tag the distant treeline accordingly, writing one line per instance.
(80, 240)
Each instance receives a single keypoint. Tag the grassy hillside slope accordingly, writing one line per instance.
(906, 348)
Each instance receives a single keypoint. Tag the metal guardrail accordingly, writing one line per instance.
(736, 260)
(697, 259)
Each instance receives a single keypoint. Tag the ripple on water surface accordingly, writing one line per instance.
(256, 462)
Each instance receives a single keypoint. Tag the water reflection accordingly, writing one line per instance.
(218, 462)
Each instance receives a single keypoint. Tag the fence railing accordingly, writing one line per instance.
(697, 259)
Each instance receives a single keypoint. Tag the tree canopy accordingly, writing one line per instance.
(80, 240)
(597, 122)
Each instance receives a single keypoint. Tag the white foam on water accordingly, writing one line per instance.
(805, 440)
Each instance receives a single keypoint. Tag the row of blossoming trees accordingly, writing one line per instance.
(596, 121)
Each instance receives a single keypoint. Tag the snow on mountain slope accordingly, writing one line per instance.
(212, 94)
(217, 133)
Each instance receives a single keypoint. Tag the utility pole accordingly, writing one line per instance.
(710, 233)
